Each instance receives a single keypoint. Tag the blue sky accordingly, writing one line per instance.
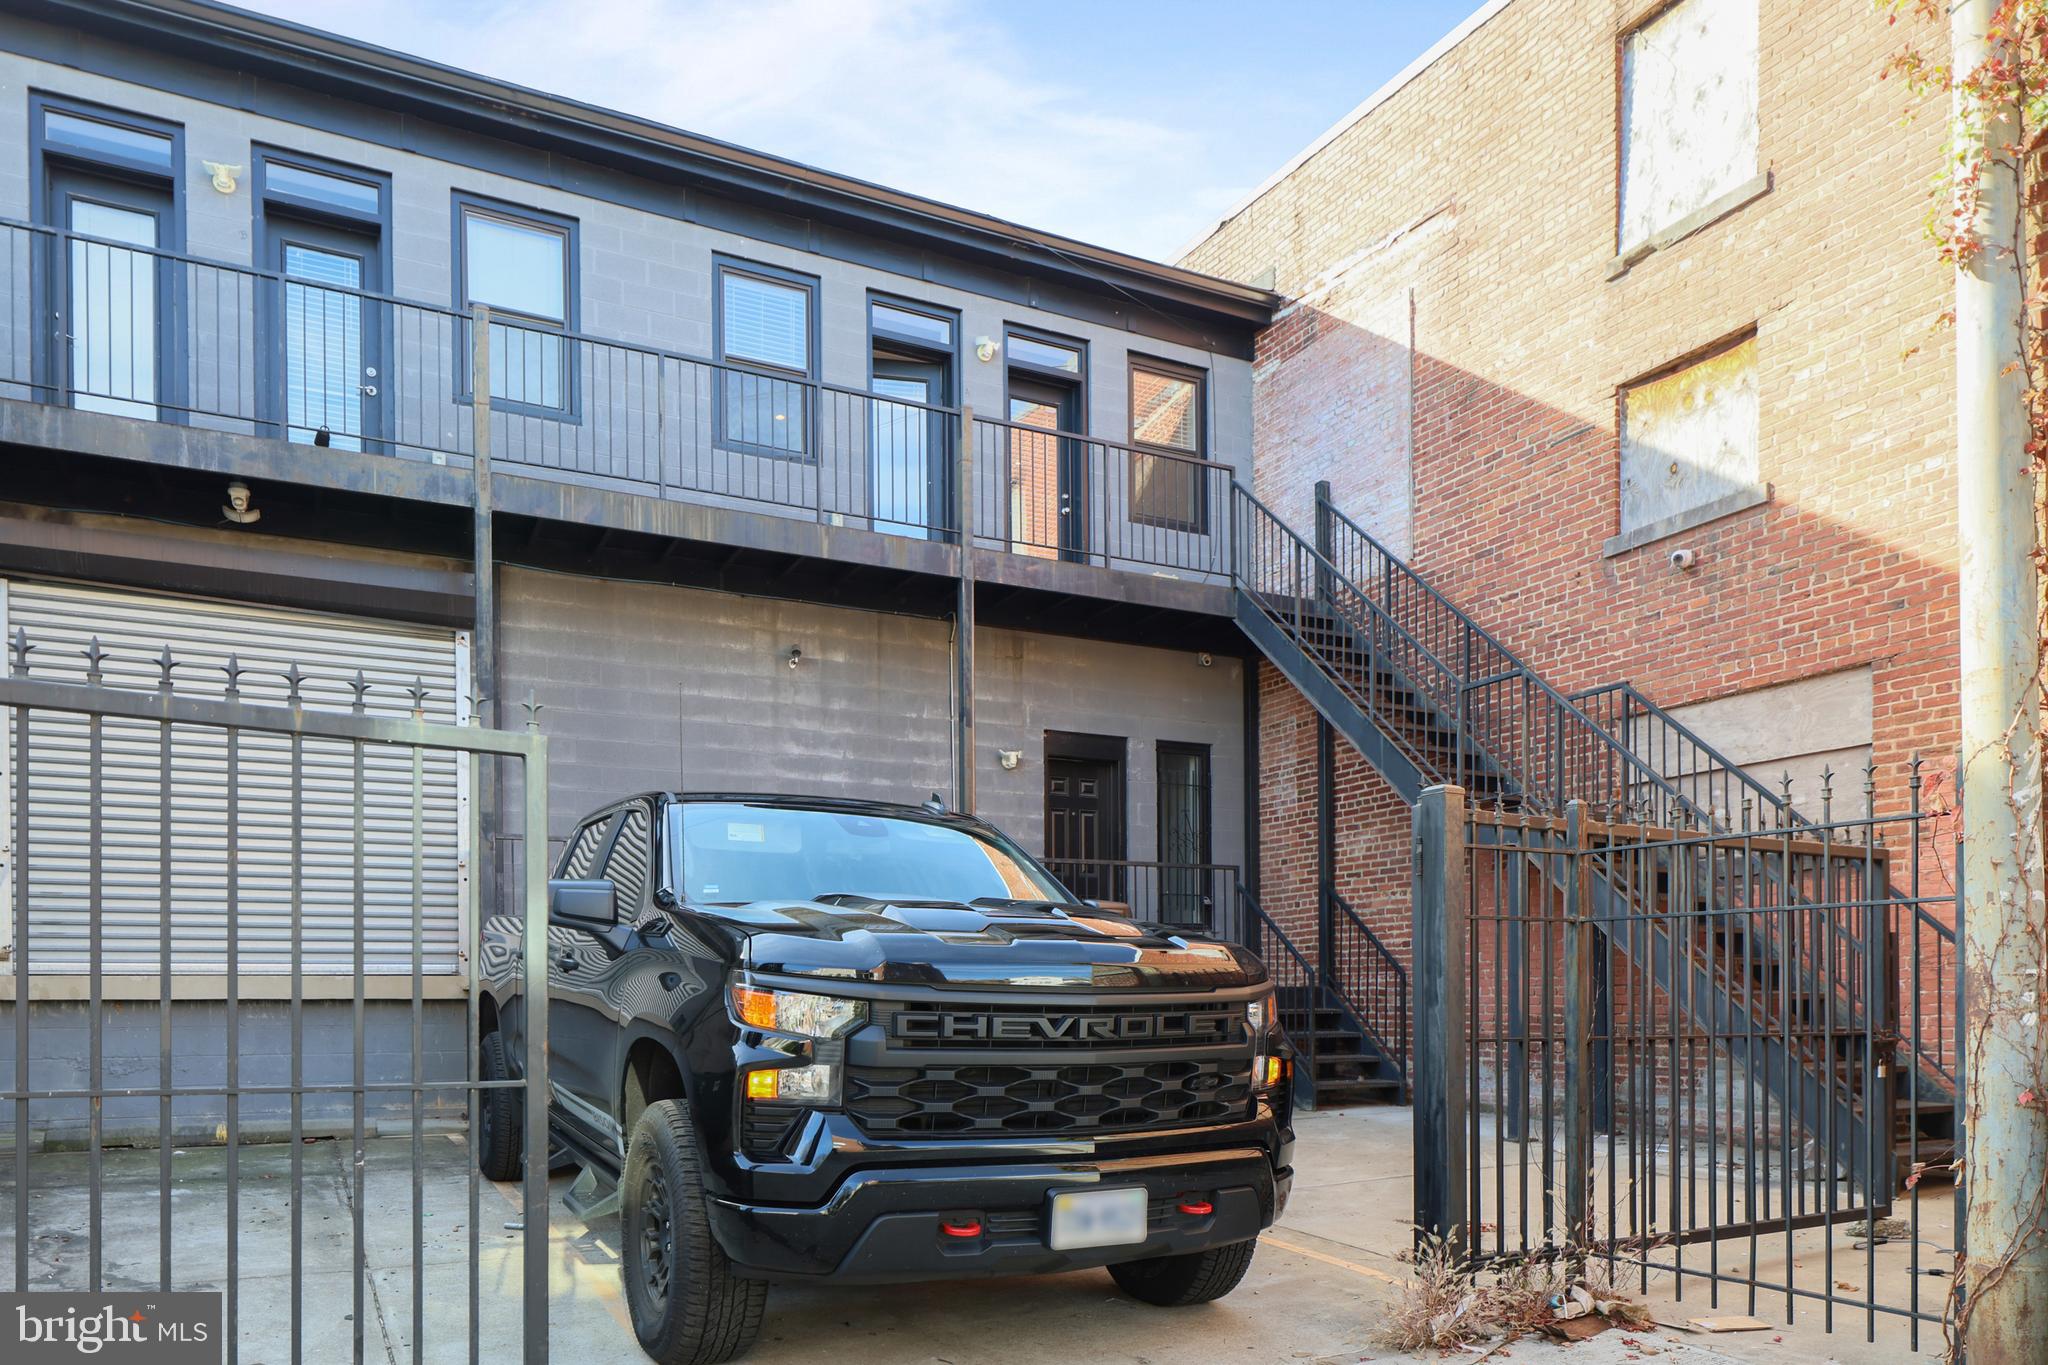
(1131, 123)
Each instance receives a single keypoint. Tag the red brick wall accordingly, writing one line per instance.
(1463, 230)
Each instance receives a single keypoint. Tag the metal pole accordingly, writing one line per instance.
(963, 621)
(1440, 909)
(2005, 1266)
(1580, 948)
(483, 646)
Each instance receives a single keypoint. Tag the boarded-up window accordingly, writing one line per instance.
(1688, 112)
(1688, 438)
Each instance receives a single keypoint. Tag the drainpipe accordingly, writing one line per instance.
(1326, 774)
(963, 622)
(483, 640)
(2004, 1275)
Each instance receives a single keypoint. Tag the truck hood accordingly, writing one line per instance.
(985, 943)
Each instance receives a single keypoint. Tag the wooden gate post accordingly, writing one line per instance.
(1441, 1049)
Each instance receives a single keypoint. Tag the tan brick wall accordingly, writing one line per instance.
(1481, 196)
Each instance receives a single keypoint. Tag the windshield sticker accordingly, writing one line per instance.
(746, 834)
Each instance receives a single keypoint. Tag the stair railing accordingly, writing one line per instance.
(1297, 984)
(1342, 629)
(1369, 981)
(1696, 767)
(1546, 751)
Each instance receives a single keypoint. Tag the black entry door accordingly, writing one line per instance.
(1084, 815)
(325, 351)
(1048, 481)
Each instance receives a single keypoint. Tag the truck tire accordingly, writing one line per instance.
(1191, 1278)
(499, 1116)
(688, 1305)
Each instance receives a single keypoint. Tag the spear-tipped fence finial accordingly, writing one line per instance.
(95, 659)
(361, 687)
(20, 649)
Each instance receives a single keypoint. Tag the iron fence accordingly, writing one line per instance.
(224, 844)
(1668, 1051)
(1061, 495)
(1193, 895)
(138, 331)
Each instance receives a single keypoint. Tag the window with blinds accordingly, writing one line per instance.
(765, 337)
(163, 856)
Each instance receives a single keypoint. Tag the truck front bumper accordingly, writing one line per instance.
(885, 1225)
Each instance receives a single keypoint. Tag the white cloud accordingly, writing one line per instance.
(921, 95)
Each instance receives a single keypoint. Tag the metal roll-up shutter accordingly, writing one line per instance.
(134, 629)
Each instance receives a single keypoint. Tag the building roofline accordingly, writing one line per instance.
(1471, 24)
(223, 35)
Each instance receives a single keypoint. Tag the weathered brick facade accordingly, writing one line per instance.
(1458, 335)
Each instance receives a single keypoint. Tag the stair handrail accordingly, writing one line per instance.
(1642, 778)
(1324, 575)
(1259, 923)
(1396, 1047)
(1566, 711)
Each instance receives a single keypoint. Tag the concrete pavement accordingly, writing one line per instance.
(1321, 1281)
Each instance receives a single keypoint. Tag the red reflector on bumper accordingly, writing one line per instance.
(965, 1227)
(1197, 1208)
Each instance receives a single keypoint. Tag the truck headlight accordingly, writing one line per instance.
(1257, 1014)
(810, 1016)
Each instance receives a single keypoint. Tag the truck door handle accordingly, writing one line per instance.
(566, 960)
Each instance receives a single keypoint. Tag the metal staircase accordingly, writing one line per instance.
(1427, 696)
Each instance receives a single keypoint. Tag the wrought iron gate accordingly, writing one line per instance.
(291, 792)
(1684, 1053)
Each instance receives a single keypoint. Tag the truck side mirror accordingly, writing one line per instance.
(592, 904)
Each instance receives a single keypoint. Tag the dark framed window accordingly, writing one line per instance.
(522, 263)
(765, 335)
(107, 295)
(1169, 484)
(1184, 813)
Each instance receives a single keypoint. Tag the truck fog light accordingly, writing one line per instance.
(1266, 1071)
(804, 1084)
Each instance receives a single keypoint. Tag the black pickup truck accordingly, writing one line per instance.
(862, 1043)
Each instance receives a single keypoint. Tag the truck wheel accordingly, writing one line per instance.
(1195, 1277)
(501, 1111)
(688, 1306)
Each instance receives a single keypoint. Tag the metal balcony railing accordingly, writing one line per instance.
(115, 327)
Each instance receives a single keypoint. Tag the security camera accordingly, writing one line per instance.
(1682, 560)
(238, 509)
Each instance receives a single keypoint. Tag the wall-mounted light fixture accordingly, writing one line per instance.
(796, 656)
(1009, 758)
(985, 349)
(223, 175)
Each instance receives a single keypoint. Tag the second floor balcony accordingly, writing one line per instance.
(330, 373)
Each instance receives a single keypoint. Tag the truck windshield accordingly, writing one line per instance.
(734, 853)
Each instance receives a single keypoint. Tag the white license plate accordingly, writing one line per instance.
(1097, 1218)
